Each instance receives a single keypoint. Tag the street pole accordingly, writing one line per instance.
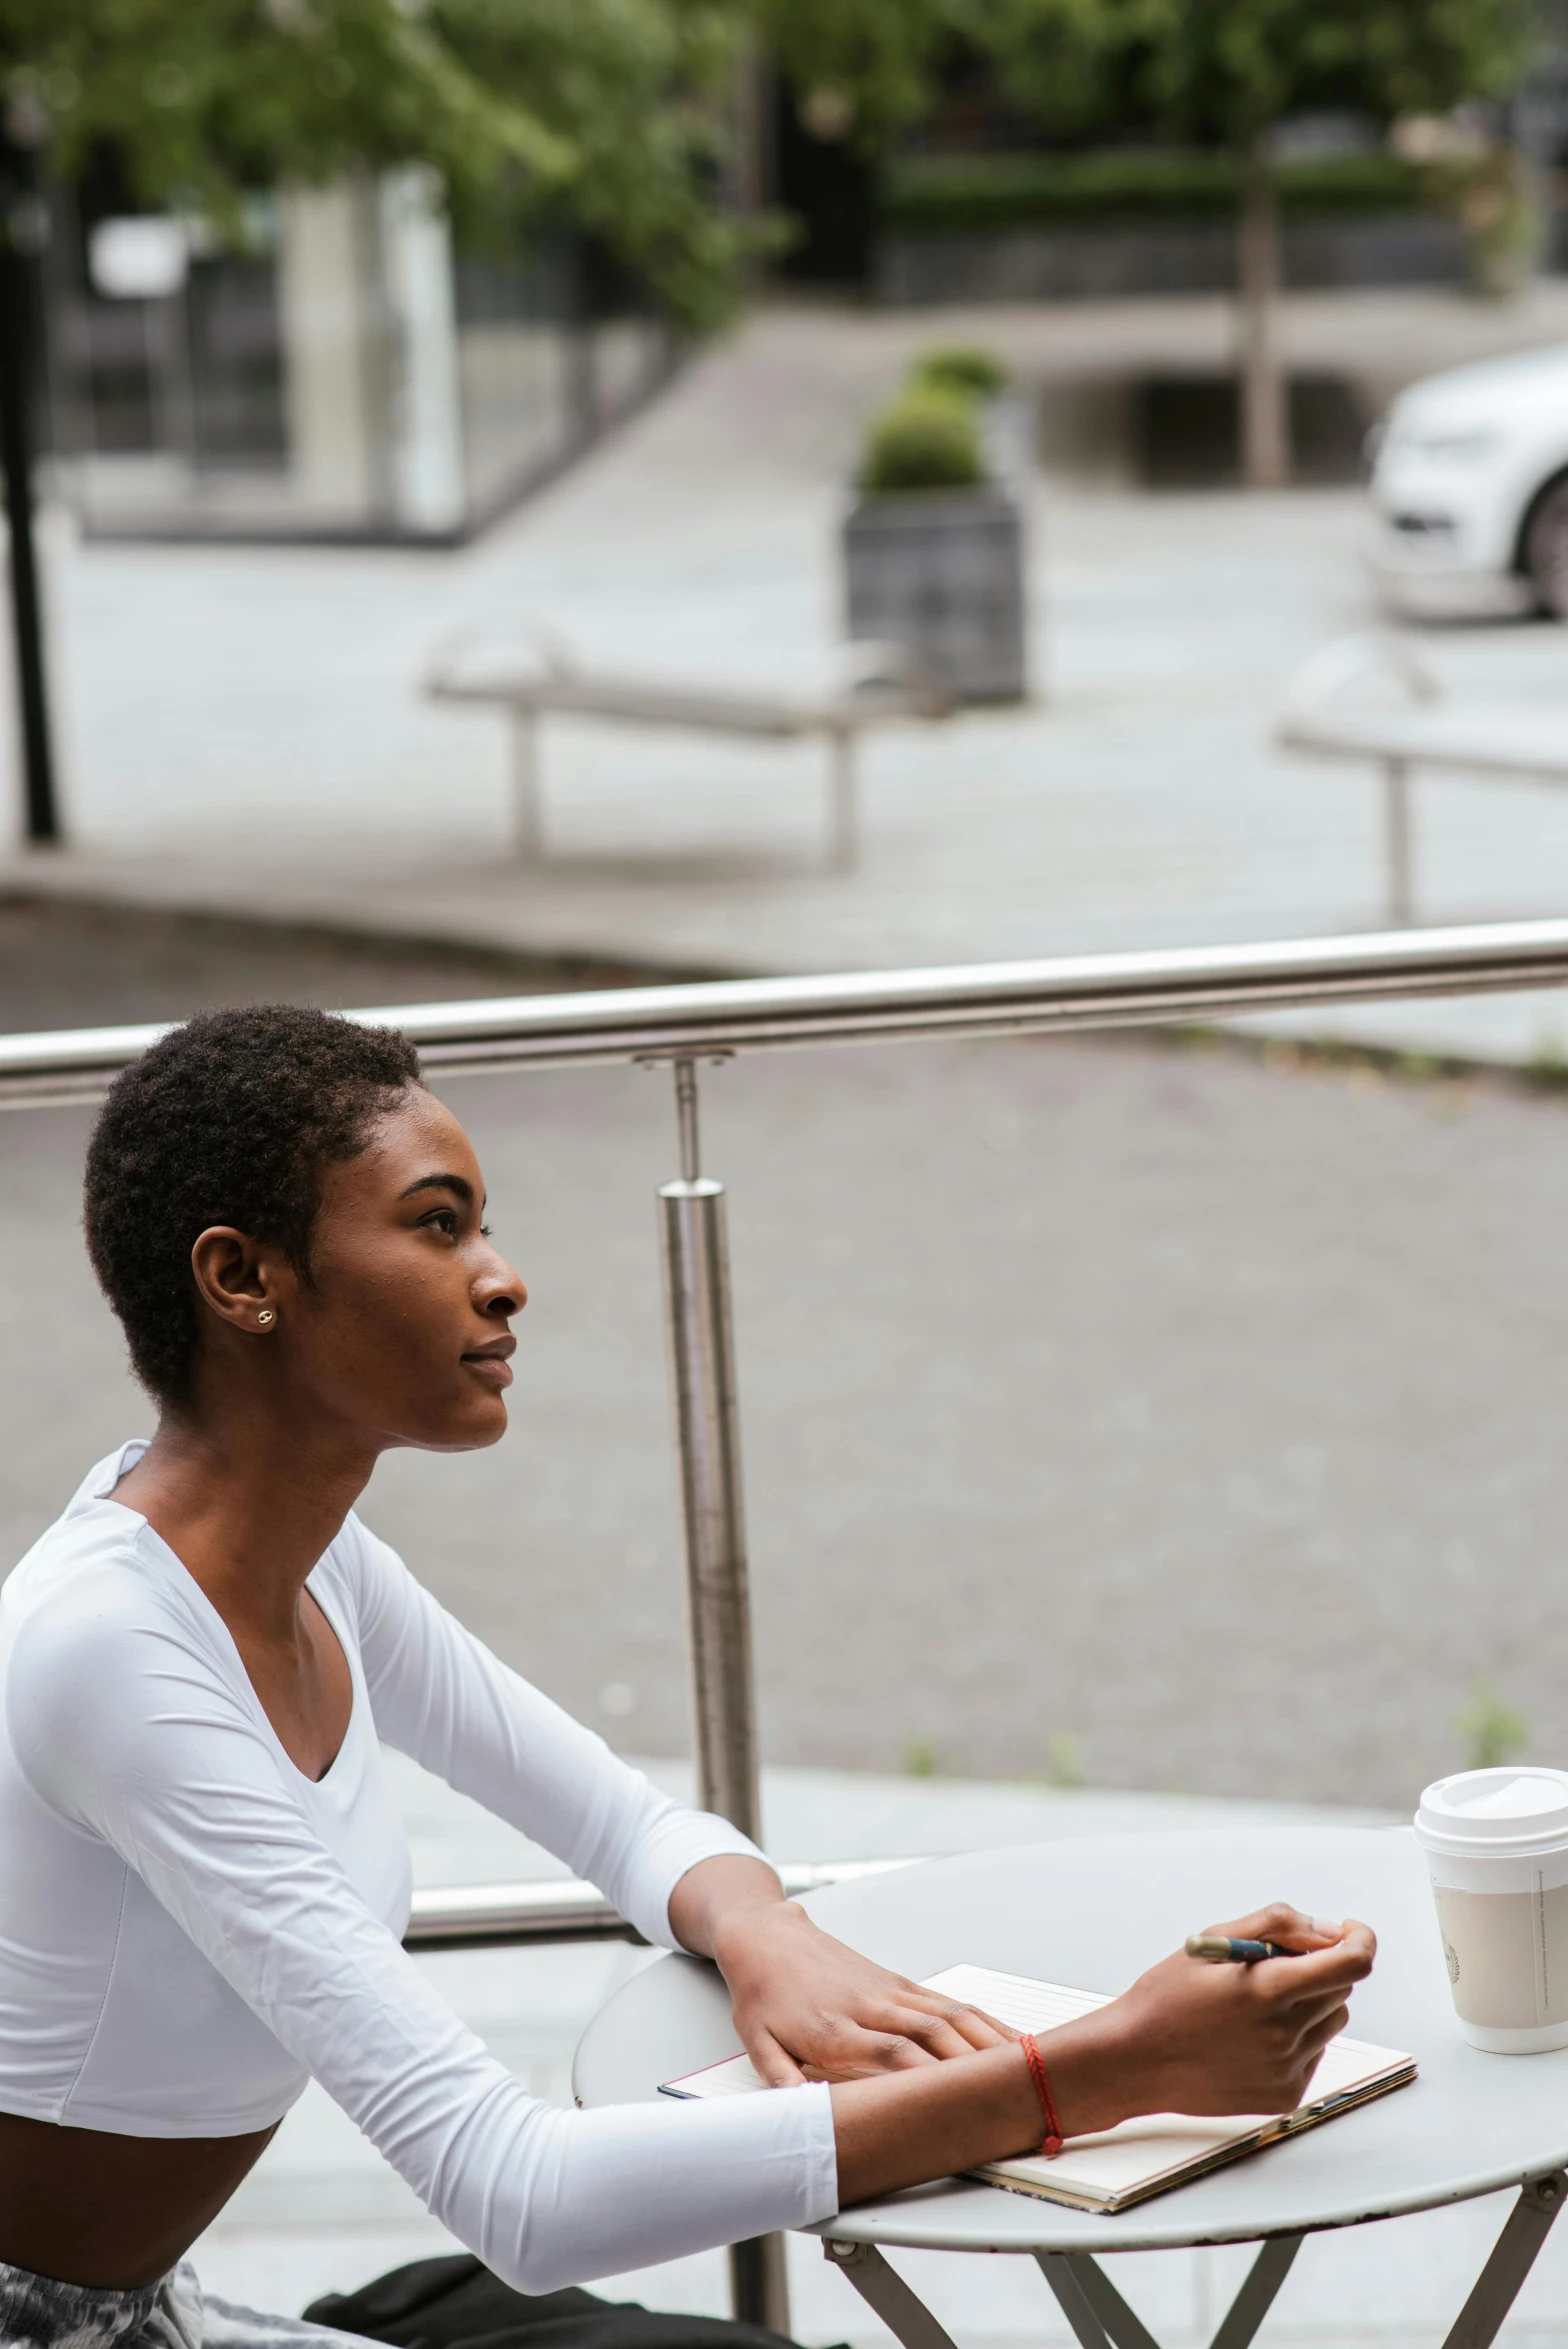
(24, 228)
(707, 1432)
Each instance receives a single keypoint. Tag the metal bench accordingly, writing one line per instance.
(872, 685)
(1368, 697)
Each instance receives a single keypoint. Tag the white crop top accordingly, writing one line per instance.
(190, 1927)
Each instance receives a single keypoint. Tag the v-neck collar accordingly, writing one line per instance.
(148, 1538)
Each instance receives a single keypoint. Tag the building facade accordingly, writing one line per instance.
(349, 375)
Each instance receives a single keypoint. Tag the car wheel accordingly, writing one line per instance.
(1546, 548)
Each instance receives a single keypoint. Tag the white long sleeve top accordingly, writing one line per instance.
(190, 1927)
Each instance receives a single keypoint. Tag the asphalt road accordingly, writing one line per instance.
(1198, 1408)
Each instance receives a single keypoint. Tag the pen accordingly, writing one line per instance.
(1217, 1950)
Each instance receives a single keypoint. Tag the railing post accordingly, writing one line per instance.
(707, 1432)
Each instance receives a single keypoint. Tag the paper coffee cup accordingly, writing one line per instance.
(1496, 1845)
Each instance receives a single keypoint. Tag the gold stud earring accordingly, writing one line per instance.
(265, 1318)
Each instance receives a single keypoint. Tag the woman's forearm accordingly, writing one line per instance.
(908, 2126)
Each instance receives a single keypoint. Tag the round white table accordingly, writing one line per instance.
(1093, 1914)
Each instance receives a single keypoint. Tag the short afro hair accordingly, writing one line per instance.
(230, 1119)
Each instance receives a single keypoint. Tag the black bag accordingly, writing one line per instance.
(457, 2303)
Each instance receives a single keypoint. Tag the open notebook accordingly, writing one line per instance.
(1138, 2158)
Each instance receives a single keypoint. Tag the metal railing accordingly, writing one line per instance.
(867, 1007)
(690, 1024)
(564, 1908)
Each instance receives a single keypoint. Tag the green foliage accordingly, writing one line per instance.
(1064, 1758)
(923, 439)
(879, 58)
(1494, 1732)
(607, 109)
(963, 368)
(1215, 72)
(1224, 71)
(921, 1759)
(987, 192)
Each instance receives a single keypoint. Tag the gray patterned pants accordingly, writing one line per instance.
(38, 2313)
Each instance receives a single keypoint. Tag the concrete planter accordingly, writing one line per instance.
(942, 572)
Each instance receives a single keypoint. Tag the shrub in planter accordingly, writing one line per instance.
(933, 553)
(962, 367)
(925, 439)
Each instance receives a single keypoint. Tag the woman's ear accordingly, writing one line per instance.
(237, 1280)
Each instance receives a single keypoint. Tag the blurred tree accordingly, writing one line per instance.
(1229, 72)
(866, 67)
(609, 110)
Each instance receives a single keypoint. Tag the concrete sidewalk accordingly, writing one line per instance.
(244, 728)
(323, 2212)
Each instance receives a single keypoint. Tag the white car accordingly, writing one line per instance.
(1470, 490)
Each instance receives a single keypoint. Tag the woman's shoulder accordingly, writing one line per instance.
(99, 1604)
(95, 1633)
(93, 1540)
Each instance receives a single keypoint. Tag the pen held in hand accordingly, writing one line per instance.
(1217, 1949)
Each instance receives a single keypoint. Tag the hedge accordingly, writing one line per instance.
(1127, 183)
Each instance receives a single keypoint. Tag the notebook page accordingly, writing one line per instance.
(1014, 1999)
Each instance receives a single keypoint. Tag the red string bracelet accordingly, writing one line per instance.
(1042, 2088)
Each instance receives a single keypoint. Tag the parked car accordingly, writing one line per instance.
(1470, 490)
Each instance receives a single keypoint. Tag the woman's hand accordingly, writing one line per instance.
(809, 2008)
(1234, 2038)
(805, 2006)
(1197, 2038)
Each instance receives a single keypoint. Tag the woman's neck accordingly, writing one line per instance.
(247, 1515)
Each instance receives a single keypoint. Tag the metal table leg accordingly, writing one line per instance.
(1256, 2297)
(1101, 2318)
(883, 2289)
(1513, 2255)
(1076, 2282)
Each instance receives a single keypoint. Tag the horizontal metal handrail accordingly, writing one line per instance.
(490, 1916)
(976, 999)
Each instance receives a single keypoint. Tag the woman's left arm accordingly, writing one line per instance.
(805, 2005)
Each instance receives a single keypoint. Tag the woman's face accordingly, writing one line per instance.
(403, 1332)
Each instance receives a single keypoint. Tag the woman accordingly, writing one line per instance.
(202, 1885)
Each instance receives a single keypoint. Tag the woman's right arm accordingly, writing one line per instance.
(1187, 2037)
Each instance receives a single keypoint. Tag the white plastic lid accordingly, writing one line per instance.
(1501, 1811)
